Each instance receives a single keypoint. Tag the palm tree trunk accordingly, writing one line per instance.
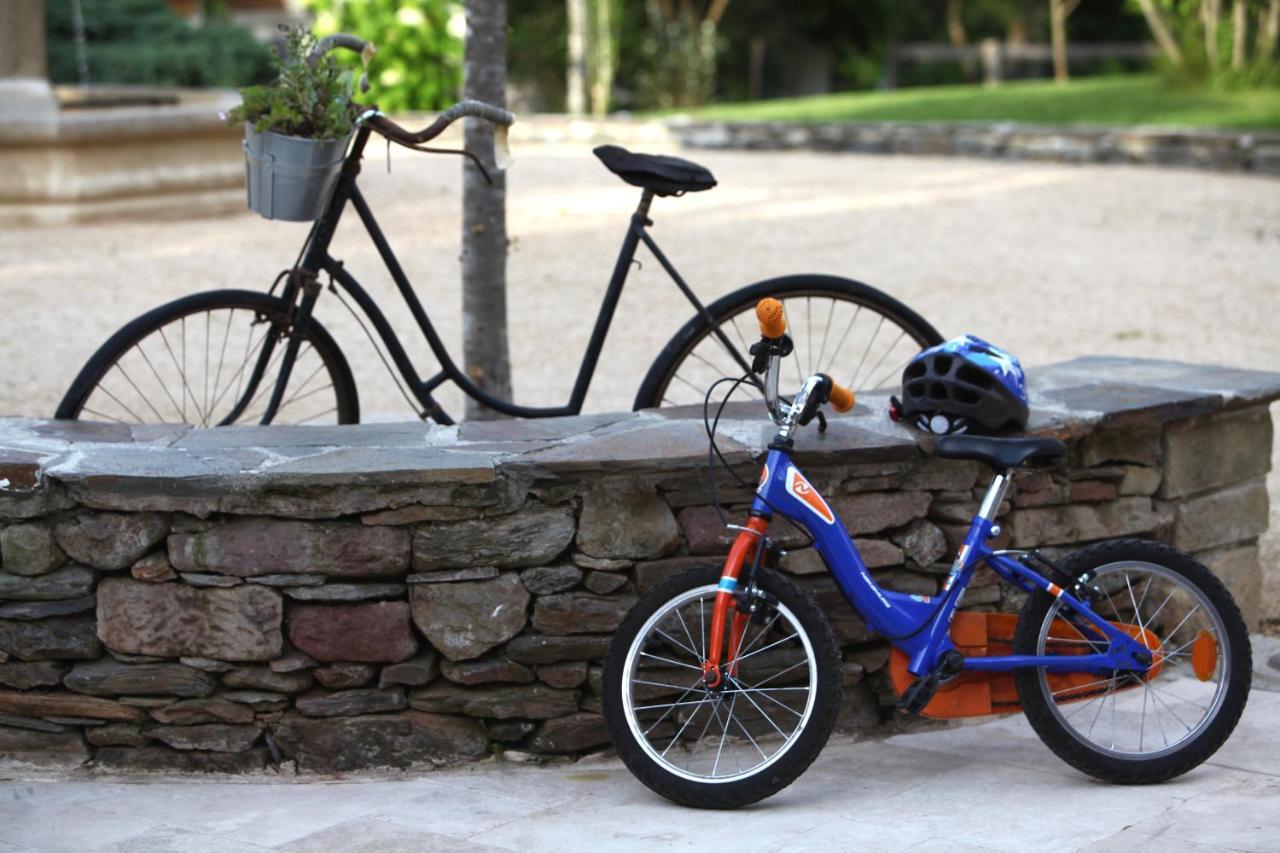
(484, 215)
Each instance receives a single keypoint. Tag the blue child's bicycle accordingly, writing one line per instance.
(1129, 658)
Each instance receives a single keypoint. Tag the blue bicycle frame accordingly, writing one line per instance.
(920, 625)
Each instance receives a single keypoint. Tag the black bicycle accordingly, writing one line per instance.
(238, 356)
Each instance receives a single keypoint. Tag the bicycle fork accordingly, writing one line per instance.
(725, 613)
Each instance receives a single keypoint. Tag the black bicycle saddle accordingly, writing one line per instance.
(1002, 453)
(664, 175)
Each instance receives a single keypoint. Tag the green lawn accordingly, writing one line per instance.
(1126, 100)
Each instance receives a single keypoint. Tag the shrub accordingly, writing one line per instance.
(145, 42)
(419, 47)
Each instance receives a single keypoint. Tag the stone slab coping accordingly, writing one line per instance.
(45, 465)
(195, 113)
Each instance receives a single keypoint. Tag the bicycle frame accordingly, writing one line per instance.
(919, 625)
(316, 259)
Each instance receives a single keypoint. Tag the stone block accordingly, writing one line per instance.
(1241, 571)
(571, 733)
(379, 741)
(67, 582)
(172, 620)
(1138, 446)
(66, 705)
(108, 540)
(153, 568)
(263, 546)
(265, 678)
(651, 574)
(1077, 523)
(534, 535)
(211, 737)
(29, 611)
(413, 673)
(1205, 453)
(25, 676)
(922, 542)
(377, 632)
(604, 583)
(350, 703)
(464, 620)
(580, 613)
(565, 675)
(70, 638)
(344, 676)
(705, 533)
(31, 747)
(486, 670)
(1138, 480)
(112, 678)
(872, 512)
(626, 523)
(535, 649)
(347, 592)
(937, 474)
(29, 549)
(1233, 514)
(190, 712)
(545, 580)
(526, 701)
(158, 758)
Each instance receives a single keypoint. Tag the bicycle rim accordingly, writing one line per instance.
(1123, 714)
(718, 736)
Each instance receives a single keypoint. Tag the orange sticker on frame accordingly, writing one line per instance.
(800, 489)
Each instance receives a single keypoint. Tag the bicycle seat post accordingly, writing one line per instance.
(996, 494)
(642, 210)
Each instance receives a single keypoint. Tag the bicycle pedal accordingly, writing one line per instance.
(921, 691)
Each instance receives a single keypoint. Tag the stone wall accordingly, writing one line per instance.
(1223, 150)
(333, 599)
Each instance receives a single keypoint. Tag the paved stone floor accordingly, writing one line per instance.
(992, 786)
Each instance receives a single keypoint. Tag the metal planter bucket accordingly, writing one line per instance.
(291, 178)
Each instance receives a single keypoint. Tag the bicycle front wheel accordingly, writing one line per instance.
(861, 336)
(753, 735)
(1121, 726)
(211, 359)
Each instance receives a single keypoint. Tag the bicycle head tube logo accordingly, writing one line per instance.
(764, 478)
(800, 489)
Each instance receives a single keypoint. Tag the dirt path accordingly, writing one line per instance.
(1051, 261)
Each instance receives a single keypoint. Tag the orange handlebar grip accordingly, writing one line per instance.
(841, 398)
(773, 322)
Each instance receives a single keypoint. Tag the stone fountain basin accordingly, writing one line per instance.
(111, 152)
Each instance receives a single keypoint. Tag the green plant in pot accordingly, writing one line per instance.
(296, 129)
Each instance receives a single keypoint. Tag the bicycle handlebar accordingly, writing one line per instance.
(772, 319)
(471, 109)
(841, 398)
(350, 42)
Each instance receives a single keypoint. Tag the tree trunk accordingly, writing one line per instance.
(1268, 34)
(1160, 30)
(484, 217)
(755, 76)
(955, 23)
(602, 79)
(576, 76)
(1059, 11)
(1239, 23)
(1210, 11)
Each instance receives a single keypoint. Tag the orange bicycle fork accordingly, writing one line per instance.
(748, 546)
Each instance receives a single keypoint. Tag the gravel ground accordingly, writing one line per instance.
(1051, 261)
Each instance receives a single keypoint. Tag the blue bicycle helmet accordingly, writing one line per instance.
(964, 385)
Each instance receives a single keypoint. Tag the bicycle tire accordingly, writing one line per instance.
(1197, 745)
(798, 749)
(259, 306)
(688, 343)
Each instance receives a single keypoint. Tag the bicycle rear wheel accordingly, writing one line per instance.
(859, 335)
(193, 361)
(1120, 726)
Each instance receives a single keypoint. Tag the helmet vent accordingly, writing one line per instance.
(966, 395)
(915, 389)
(942, 364)
(937, 391)
(974, 376)
(915, 370)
